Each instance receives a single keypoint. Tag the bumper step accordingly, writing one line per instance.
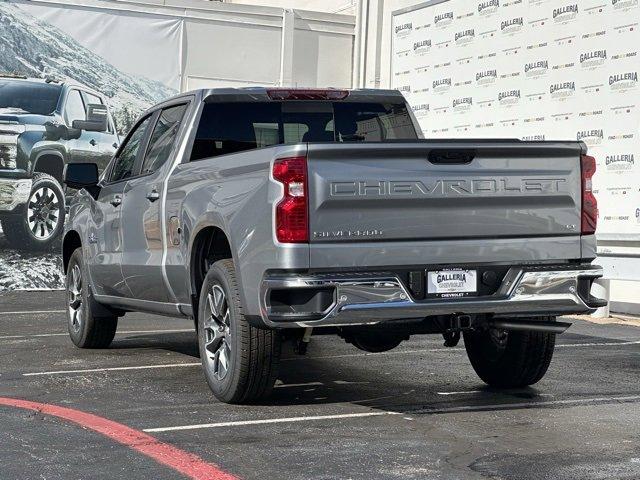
(366, 299)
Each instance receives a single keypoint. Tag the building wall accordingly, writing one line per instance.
(330, 6)
(373, 42)
(235, 45)
(228, 44)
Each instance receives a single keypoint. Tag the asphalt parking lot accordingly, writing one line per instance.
(417, 412)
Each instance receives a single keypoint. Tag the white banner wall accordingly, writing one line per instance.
(140, 54)
(124, 39)
(110, 51)
(534, 70)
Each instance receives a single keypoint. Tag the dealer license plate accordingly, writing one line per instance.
(452, 283)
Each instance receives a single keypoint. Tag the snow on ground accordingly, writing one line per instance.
(29, 271)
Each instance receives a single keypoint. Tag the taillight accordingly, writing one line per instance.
(292, 212)
(308, 94)
(589, 202)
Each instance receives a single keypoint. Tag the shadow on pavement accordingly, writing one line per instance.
(379, 381)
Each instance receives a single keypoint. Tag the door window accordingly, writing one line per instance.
(125, 162)
(163, 138)
(74, 110)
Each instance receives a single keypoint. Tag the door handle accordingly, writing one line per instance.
(93, 142)
(114, 145)
(153, 195)
(116, 201)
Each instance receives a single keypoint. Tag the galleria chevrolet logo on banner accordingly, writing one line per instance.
(536, 70)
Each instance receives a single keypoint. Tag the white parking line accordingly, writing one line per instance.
(292, 385)
(269, 421)
(455, 349)
(598, 344)
(433, 411)
(124, 332)
(512, 406)
(400, 352)
(112, 369)
(468, 392)
(31, 312)
(391, 352)
(459, 393)
(12, 337)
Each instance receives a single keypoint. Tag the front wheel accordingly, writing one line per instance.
(510, 359)
(86, 328)
(240, 361)
(40, 225)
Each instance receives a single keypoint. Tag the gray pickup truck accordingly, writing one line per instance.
(45, 124)
(270, 214)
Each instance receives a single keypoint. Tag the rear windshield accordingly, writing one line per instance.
(28, 97)
(234, 127)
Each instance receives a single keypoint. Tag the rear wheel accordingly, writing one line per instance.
(510, 359)
(40, 225)
(240, 361)
(86, 329)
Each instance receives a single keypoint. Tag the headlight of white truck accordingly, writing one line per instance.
(9, 144)
(8, 153)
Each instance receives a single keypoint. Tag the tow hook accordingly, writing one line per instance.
(457, 324)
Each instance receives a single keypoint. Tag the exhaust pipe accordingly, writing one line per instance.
(527, 325)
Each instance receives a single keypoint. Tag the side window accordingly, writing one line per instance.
(125, 162)
(163, 137)
(74, 109)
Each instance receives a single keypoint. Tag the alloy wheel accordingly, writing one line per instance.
(43, 213)
(217, 332)
(74, 289)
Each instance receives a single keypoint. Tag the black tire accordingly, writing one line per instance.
(87, 329)
(240, 361)
(510, 359)
(47, 215)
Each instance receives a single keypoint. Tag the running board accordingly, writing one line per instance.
(531, 326)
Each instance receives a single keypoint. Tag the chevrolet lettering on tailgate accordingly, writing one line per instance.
(366, 188)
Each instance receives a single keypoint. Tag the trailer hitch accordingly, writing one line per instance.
(457, 324)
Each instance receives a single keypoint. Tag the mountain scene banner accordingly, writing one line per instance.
(534, 70)
(132, 58)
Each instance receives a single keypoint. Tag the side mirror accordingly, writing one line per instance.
(96, 119)
(81, 175)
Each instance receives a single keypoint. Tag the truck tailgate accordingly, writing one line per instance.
(444, 190)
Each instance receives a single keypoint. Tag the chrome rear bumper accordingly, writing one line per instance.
(367, 299)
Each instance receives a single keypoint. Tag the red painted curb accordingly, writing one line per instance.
(186, 463)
